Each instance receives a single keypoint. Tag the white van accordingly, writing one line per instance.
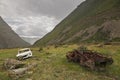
(24, 53)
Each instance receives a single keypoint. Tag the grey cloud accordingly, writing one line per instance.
(56, 8)
(35, 17)
(32, 26)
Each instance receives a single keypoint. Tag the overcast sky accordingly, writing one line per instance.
(35, 17)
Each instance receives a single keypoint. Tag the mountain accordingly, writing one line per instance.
(8, 38)
(30, 40)
(92, 21)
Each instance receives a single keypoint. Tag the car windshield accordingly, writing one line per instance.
(21, 51)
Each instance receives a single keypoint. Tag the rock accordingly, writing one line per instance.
(28, 79)
(100, 45)
(17, 69)
(32, 65)
(30, 72)
(10, 64)
(17, 73)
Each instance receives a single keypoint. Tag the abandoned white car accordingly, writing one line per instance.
(24, 53)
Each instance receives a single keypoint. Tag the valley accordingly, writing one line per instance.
(52, 64)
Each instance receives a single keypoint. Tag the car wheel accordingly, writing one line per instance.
(20, 58)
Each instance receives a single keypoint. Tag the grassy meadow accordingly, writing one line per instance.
(53, 65)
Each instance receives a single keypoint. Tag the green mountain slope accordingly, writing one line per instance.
(8, 38)
(91, 21)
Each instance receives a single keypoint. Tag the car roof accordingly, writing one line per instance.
(24, 49)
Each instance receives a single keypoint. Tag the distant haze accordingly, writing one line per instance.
(35, 17)
(30, 39)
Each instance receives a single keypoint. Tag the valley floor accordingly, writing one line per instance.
(53, 65)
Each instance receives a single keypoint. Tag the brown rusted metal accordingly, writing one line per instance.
(90, 59)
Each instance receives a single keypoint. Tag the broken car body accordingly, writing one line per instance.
(90, 59)
(24, 53)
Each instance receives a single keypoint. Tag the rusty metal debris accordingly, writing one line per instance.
(90, 59)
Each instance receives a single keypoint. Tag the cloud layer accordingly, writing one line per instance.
(35, 17)
(32, 26)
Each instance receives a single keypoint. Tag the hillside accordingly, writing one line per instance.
(91, 21)
(8, 38)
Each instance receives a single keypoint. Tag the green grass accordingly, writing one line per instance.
(53, 65)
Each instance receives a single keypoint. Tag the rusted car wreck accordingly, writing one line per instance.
(90, 59)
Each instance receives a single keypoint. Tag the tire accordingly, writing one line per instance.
(20, 58)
